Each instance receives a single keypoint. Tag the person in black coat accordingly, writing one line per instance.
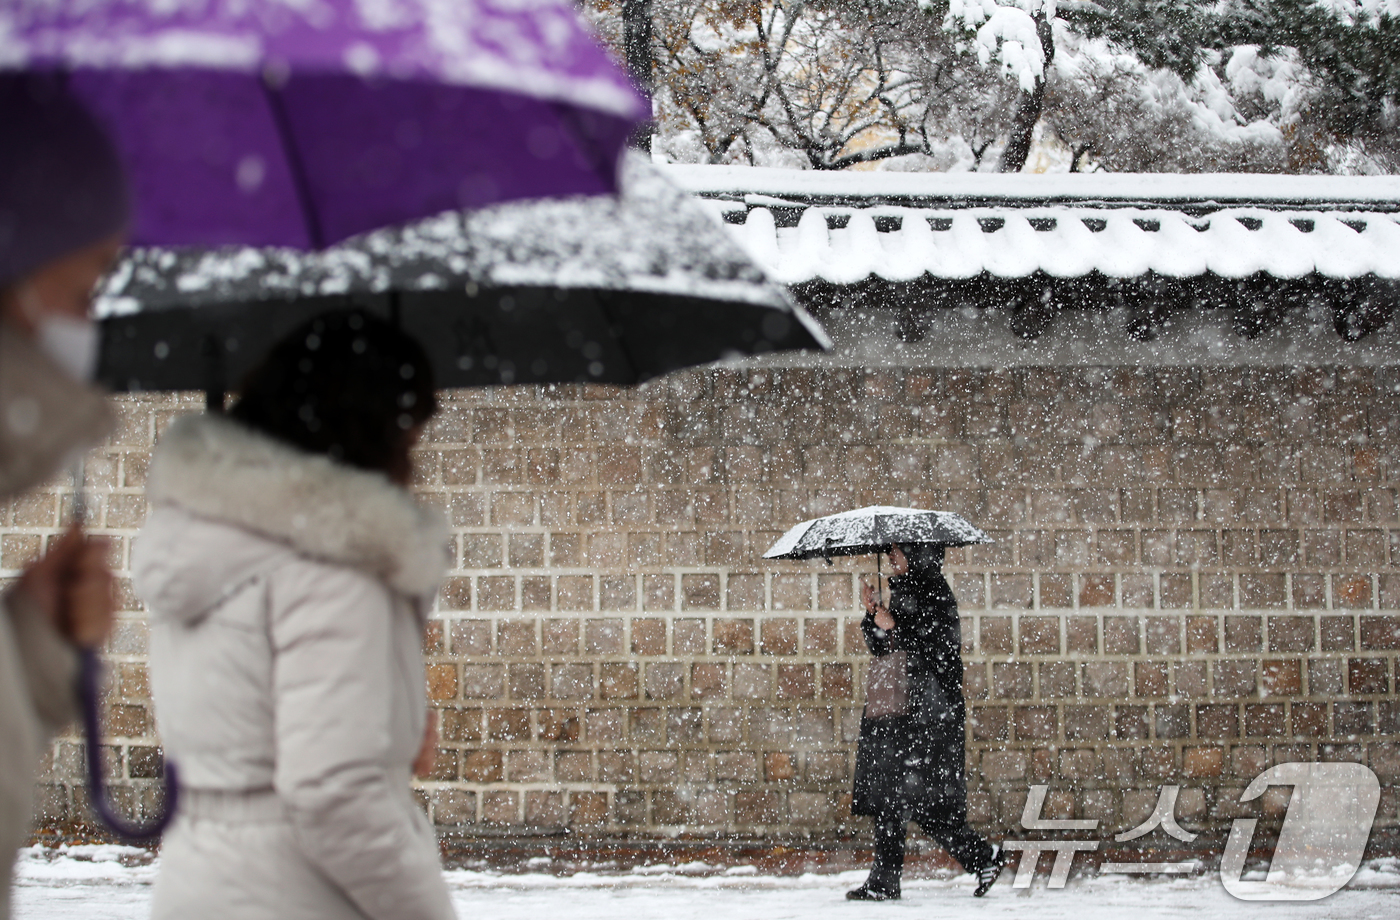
(910, 767)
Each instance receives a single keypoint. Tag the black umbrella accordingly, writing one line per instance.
(873, 530)
(864, 531)
(596, 289)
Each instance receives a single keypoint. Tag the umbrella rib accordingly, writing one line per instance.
(295, 164)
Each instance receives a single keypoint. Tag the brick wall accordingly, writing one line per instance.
(1196, 575)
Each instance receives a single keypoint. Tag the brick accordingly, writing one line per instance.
(1262, 590)
(1235, 677)
(700, 592)
(989, 723)
(752, 681)
(659, 592)
(745, 592)
(560, 637)
(1267, 721)
(603, 636)
(779, 636)
(1056, 679)
(1309, 720)
(796, 681)
(836, 681)
(1034, 722)
(1290, 634)
(1056, 591)
(1367, 675)
(1203, 761)
(1081, 635)
(499, 807)
(1120, 635)
(688, 636)
(617, 593)
(574, 593)
(1011, 680)
(648, 636)
(1338, 633)
(758, 808)
(1325, 676)
(1281, 677)
(1380, 632)
(1349, 720)
(834, 592)
(1176, 590)
(1150, 678)
(588, 809)
(1105, 679)
(819, 636)
(664, 680)
(1217, 722)
(733, 636)
(470, 637)
(1010, 591)
(779, 766)
(559, 725)
(792, 592)
(453, 807)
(1040, 635)
(1171, 721)
(617, 680)
(1162, 635)
(525, 681)
(1096, 591)
(1243, 634)
(995, 635)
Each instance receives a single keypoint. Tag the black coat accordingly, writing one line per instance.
(914, 763)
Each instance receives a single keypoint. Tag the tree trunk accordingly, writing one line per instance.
(1028, 106)
(636, 43)
(1018, 148)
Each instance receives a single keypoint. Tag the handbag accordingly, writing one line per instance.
(887, 686)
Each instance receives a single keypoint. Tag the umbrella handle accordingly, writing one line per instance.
(89, 677)
(879, 582)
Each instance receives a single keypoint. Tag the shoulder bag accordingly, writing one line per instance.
(887, 686)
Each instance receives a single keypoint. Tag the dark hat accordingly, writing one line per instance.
(61, 184)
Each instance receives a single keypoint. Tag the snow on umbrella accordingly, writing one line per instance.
(872, 530)
(282, 123)
(589, 289)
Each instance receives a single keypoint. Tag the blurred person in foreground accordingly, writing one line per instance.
(910, 766)
(289, 572)
(63, 217)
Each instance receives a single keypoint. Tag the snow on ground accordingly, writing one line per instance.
(114, 883)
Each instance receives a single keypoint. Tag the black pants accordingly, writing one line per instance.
(951, 832)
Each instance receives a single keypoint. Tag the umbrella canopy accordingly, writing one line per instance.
(284, 123)
(591, 289)
(871, 530)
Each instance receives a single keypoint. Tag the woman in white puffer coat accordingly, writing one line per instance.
(288, 572)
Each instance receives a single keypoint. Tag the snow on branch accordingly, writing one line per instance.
(1006, 32)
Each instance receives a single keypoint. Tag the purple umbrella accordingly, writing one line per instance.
(303, 122)
(281, 123)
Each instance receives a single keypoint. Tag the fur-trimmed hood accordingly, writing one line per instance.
(219, 470)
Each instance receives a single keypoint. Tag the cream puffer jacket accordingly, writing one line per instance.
(287, 596)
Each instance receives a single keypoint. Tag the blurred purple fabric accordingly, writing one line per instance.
(283, 123)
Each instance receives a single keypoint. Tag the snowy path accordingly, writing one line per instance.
(95, 884)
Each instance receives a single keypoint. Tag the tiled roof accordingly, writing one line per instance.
(844, 228)
(844, 245)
